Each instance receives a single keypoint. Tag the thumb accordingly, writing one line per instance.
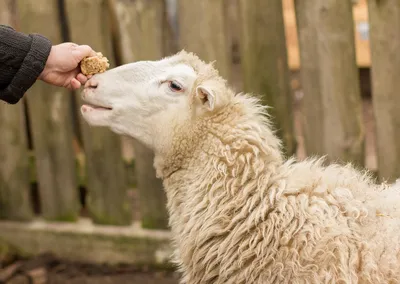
(81, 51)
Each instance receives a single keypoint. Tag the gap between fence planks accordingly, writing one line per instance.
(264, 61)
(332, 107)
(51, 124)
(140, 36)
(14, 166)
(107, 200)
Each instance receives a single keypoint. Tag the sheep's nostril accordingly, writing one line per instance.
(91, 84)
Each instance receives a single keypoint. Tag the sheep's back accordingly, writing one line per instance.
(374, 210)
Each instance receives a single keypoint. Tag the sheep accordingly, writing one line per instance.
(240, 212)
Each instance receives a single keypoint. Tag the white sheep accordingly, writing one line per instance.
(239, 212)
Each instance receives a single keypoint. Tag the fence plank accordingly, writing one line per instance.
(169, 33)
(202, 31)
(144, 20)
(332, 103)
(14, 167)
(264, 60)
(106, 180)
(385, 47)
(312, 104)
(50, 109)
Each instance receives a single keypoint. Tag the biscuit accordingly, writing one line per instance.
(94, 64)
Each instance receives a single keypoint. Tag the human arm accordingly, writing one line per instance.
(22, 60)
(27, 58)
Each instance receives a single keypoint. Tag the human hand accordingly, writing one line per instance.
(62, 66)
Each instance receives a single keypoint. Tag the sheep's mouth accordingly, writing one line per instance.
(96, 107)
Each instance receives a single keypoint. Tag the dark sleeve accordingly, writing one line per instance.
(22, 59)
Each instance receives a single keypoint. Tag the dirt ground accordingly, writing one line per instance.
(47, 269)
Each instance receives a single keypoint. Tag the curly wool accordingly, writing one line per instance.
(239, 213)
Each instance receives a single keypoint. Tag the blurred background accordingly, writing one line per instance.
(83, 205)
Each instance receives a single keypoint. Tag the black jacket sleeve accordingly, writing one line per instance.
(22, 59)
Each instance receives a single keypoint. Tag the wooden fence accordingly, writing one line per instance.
(45, 141)
(78, 170)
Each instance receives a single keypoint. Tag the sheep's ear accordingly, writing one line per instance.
(206, 97)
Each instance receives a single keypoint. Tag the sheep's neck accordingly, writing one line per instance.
(226, 170)
(229, 135)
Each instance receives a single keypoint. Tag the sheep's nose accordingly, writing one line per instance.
(91, 84)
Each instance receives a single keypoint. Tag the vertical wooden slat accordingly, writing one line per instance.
(385, 47)
(312, 106)
(332, 103)
(144, 20)
(50, 116)
(264, 60)
(169, 35)
(202, 31)
(108, 203)
(14, 167)
(151, 192)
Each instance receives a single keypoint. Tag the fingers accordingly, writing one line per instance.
(82, 78)
(77, 81)
(81, 51)
(75, 84)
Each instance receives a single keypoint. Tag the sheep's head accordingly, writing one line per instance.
(149, 100)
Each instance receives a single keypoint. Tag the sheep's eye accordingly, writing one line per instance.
(175, 86)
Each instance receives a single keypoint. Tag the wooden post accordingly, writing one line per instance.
(169, 36)
(108, 202)
(264, 61)
(51, 123)
(143, 20)
(14, 166)
(385, 47)
(312, 104)
(202, 31)
(332, 102)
